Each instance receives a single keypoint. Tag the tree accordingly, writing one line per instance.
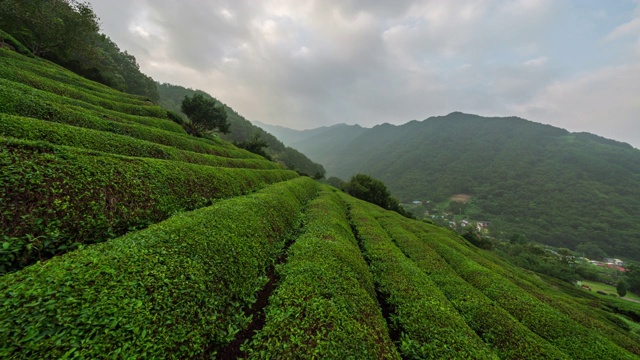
(621, 288)
(255, 144)
(367, 188)
(591, 250)
(205, 114)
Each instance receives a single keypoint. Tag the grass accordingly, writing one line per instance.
(598, 286)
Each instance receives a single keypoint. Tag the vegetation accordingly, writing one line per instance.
(68, 33)
(372, 190)
(325, 305)
(124, 237)
(243, 133)
(205, 114)
(557, 188)
(179, 287)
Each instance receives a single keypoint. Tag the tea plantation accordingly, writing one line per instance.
(125, 238)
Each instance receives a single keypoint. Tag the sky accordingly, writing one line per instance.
(303, 64)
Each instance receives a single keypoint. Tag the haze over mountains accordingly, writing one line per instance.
(544, 182)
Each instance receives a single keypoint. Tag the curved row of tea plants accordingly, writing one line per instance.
(14, 70)
(24, 100)
(18, 104)
(509, 338)
(177, 289)
(326, 305)
(62, 134)
(429, 326)
(54, 198)
(549, 323)
(55, 72)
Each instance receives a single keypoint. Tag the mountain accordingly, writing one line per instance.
(555, 187)
(124, 237)
(242, 129)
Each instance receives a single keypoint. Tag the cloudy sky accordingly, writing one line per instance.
(574, 64)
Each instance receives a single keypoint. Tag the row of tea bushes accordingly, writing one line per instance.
(549, 323)
(178, 289)
(62, 134)
(14, 102)
(325, 306)
(429, 325)
(55, 198)
(54, 72)
(16, 71)
(509, 338)
(24, 100)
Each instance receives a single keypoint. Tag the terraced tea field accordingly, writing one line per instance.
(124, 237)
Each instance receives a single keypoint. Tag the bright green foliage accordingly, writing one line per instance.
(106, 107)
(561, 331)
(177, 289)
(54, 198)
(429, 325)
(61, 134)
(205, 113)
(325, 307)
(509, 338)
(56, 73)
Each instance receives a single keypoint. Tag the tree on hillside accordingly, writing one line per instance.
(367, 188)
(205, 113)
(53, 28)
(621, 288)
(255, 144)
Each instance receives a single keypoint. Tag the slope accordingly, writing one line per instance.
(555, 187)
(127, 240)
(242, 130)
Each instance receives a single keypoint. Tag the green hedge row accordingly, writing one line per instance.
(599, 322)
(21, 99)
(549, 323)
(61, 134)
(55, 72)
(177, 289)
(509, 338)
(18, 103)
(54, 198)
(325, 306)
(16, 70)
(428, 324)
(6, 38)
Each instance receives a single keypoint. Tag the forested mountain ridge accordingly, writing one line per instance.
(242, 130)
(551, 185)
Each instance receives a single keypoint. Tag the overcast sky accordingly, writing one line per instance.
(304, 64)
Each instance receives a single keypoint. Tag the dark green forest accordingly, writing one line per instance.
(555, 187)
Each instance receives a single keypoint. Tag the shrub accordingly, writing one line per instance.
(509, 338)
(177, 289)
(325, 306)
(427, 323)
(61, 134)
(55, 198)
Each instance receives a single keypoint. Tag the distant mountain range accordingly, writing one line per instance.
(553, 186)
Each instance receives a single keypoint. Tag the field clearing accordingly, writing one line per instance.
(461, 198)
(595, 286)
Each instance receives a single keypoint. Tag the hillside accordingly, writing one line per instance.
(242, 130)
(555, 187)
(123, 237)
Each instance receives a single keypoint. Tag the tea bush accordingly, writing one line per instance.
(325, 306)
(177, 289)
(55, 198)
